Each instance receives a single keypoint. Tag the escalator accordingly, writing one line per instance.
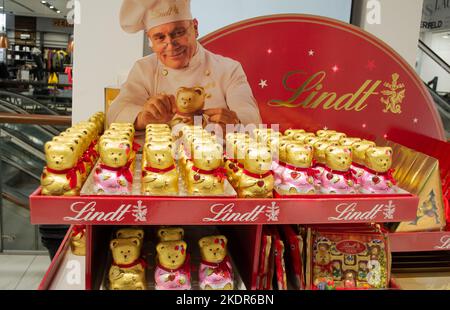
(434, 72)
(22, 156)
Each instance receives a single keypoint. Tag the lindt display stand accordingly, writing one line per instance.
(314, 82)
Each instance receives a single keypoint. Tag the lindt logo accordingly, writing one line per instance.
(350, 247)
(445, 243)
(86, 212)
(350, 212)
(226, 213)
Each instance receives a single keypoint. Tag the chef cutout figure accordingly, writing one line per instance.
(179, 60)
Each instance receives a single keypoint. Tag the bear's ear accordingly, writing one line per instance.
(199, 90)
(224, 239)
(119, 234)
(113, 244)
(161, 233)
(181, 89)
(140, 234)
(160, 247)
(135, 241)
(389, 151)
(203, 242)
(169, 146)
(105, 143)
(72, 149)
(48, 146)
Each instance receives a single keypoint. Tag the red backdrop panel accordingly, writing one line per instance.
(312, 72)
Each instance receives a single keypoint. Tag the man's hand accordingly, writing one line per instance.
(157, 110)
(222, 117)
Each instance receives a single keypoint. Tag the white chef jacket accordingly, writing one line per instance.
(223, 78)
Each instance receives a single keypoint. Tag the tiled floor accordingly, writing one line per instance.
(22, 272)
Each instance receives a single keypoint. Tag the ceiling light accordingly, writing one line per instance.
(52, 7)
(43, 2)
(445, 36)
(58, 11)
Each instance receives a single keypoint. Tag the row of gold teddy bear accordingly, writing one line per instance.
(114, 173)
(199, 158)
(328, 162)
(172, 270)
(70, 157)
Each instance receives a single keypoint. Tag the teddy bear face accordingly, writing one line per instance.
(311, 140)
(170, 234)
(324, 132)
(359, 151)
(114, 153)
(71, 140)
(213, 248)
(323, 256)
(159, 155)
(299, 155)
(379, 159)
(258, 159)
(207, 156)
(336, 137)
(125, 233)
(172, 254)
(291, 132)
(348, 141)
(60, 156)
(190, 100)
(319, 150)
(125, 251)
(301, 136)
(338, 158)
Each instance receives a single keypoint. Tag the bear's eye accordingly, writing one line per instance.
(121, 252)
(210, 250)
(176, 256)
(128, 251)
(120, 154)
(169, 257)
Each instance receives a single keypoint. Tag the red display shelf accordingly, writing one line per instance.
(145, 210)
(420, 241)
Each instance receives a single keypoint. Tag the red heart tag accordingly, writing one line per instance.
(196, 177)
(329, 176)
(171, 277)
(376, 180)
(98, 170)
(231, 166)
(294, 175)
(260, 183)
(235, 169)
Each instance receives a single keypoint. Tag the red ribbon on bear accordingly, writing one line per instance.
(157, 170)
(78, 229)
(348, 175)
(223, 266)
(218, 172)
(387, 175)
(80, 166)
(257, 176)
(311, 172)
(124, 170)
(87, 158)
(71, 175)
(136, 146)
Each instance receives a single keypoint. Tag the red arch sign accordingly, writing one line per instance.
(312, 72)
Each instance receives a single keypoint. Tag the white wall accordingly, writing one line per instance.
(215, 14)
(399, 26)
(103, 55)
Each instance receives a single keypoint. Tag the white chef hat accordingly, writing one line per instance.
(138, 15)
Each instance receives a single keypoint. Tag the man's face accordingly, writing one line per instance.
(175, 43)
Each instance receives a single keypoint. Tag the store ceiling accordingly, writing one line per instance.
(36, 8)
